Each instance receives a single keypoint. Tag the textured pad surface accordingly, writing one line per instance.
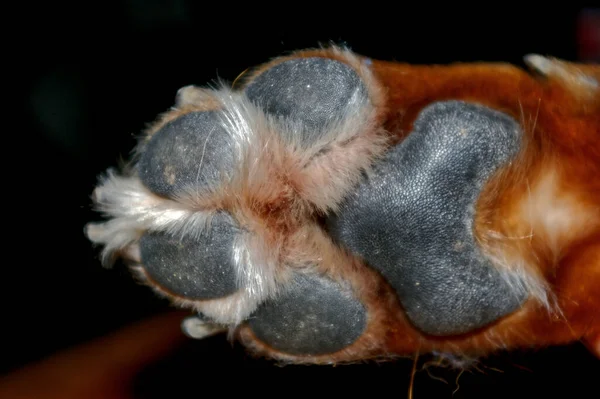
(313, 91)
(190, 151)
(413, 219)
(194, 268)
(314, 316)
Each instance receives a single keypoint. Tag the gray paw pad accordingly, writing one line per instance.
(314, 316)
(313, 91)
(190, 151)
(413, 219)
(193, 267)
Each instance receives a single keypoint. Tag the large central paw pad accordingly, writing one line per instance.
(413, 218)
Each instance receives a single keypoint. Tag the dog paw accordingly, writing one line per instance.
(320, 218)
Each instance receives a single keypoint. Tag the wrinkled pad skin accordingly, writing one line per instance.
(314, 316)
(413, 219)
(194, 268)
(314, 91)
(188, 152)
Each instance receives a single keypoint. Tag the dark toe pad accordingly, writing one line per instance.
(190, 151)
(314, 316)
(193, 268)
(313, 91)
(413, 219)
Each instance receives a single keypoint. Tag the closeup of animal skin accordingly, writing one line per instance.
(329, 208)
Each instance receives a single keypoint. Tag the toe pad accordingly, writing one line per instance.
(190, 267)
(313, 316)
(188, 152)
(314, 91)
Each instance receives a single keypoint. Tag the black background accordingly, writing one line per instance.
(90, 77)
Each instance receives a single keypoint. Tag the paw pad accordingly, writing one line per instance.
(190, 152)
(313, 316)
(193, 267)
(413, 218)
(314, 91)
